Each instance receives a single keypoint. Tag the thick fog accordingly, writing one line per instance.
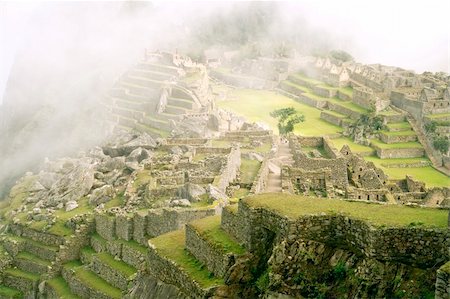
(57, 59)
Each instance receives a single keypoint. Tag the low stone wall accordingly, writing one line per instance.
(331, 118)
(343, 96)
(124, 227)
(329, 148)
(231, 223)
(423, 247)
(79, 288)
(186, 141)
(396, 118)
(240, 81)
(387, 138)
(344, 110)
(231, 169)
(303, 98)
(38, 236)
(399, 152)
(165, 220)
(301, 82)
(442, 287)
(217, 261)
(169, 272)
(260, 181)
(324, 92)
(306, 141)
(105, 226)
(110, 274)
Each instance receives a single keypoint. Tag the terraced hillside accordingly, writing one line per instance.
(329, 110)
(150, 96)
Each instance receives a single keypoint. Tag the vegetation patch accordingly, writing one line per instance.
(6, 292)
(249, 169)
(295, 206)
(171, 246)
(210, 229)
(61, 288)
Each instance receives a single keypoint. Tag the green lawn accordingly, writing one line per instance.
(307, 79)
(299, 87)
(109, 260)
(171, 246)
(439, 115)
(399, 133)
(249, 169)
(354, 147)
(256, 106)
(295, 206)
(350, 105)
(400, 145)
(346, 90)
(403, 126)
(210, 229)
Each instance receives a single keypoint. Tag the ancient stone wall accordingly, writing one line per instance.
(165, 220)
(331, 118)
(230, 170)
(231, 223)
(329, 148)
(215, 260)
(170, 273)
(399, 152)
(424, 247)
(387, 138)
(442, 286)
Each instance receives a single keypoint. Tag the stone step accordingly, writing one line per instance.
(154, 132)
(154, 75)
(125, 121)
(15, 244)
(399, 127)
(36, 235)
(211, 245)
(128, 113)
(167, 69)
(175, 110)
(144, 82)
(114, 271)
(86, 284)
(398, 137)
(23, 281)
(141, 91)
(129, 104)
(183, 103)
(58, 288)
(31, 263)
(156, 123)
(10, 293)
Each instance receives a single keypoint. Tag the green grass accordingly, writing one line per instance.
(93, 281)
(399, 133)
(400, 145)
(295, 206)
(220, 143)
(346, 90)
(349, 105)
(241, 192)
(388, 113)
(210, 229)
(337, 114)
(354, 147)
(171, 246)
(304, 89)
(315, 97)
(256, 106)
(249, 169)
(31, 257)
(403, 126)
(6, 292)
(134, 245)
(61, 288)
(307, 79)
(109, 260)
(22, 274)
(439, 115)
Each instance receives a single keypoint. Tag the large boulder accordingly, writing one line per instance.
(215, 193)
(102, 195)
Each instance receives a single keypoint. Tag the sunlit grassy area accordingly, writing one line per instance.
(256, 106)
(171, 246)
(354, 147)
(350, 105)
(6, 292)
(210, 229)
(295, 206)
(249, 169)
(401, 145)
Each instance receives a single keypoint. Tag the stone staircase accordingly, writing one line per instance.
(132, 103)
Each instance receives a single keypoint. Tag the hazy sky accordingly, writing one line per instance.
(410, 34)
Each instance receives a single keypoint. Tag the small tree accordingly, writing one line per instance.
(287, 119)
(441, 144)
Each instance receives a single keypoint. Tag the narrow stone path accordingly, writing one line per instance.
(282, 157)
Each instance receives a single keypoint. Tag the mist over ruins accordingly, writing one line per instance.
(224, 150)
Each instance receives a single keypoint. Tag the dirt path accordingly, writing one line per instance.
(282, 157)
